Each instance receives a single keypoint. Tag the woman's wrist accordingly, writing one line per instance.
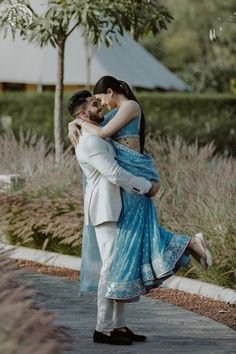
(77, 121)
(81, 121)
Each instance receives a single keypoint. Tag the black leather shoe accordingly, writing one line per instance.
(129, 334)
(114, 338)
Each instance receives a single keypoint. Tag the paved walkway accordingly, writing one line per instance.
(170, 329)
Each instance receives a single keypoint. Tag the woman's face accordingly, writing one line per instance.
(106, 99)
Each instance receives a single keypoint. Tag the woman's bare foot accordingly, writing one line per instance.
(199, 251)
(196, 246)
(195, 255)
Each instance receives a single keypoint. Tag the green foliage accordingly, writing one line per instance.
(45, 223)
(192, 116)
(199, 117)
(187, 49)
(29, 112)
(48, 212)
(100, 20)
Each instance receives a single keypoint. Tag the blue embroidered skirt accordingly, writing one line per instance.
(145, 254)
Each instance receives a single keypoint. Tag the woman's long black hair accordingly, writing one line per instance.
(123, 88)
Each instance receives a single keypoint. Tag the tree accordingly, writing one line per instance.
(187, 48)
(100, 20)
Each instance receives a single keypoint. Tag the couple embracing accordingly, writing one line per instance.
(125, 251)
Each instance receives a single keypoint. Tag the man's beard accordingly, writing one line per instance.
(94, 117)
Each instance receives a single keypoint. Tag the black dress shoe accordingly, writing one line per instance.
(114, 338)
(129, 334)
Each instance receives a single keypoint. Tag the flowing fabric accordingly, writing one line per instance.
(145, 254)
(91, 262)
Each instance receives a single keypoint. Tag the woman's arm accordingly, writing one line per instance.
(125, 114)
(73, 134)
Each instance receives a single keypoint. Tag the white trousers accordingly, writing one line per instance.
(110, 314)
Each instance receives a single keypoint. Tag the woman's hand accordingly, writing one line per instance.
(73, 134)
(76, 121)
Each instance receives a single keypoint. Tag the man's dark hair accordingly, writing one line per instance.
(77, 100)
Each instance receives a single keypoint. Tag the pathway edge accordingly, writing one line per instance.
(53, 259)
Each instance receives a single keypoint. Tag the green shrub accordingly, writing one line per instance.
(203, 117)
(48, 212)
(29, 111)
(46, 223)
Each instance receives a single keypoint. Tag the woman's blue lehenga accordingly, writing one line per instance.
(145, 254)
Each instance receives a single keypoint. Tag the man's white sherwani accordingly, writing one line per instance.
(104, 176)
(102, 207)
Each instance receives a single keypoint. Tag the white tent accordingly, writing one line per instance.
(21, 62)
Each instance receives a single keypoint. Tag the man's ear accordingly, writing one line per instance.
(83, 113)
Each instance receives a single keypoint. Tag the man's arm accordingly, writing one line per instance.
(98, 156)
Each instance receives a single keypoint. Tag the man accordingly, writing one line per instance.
(102, 207)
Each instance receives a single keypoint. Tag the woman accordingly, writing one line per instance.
(146, 254)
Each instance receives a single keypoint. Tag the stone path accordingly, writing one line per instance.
(170, 329)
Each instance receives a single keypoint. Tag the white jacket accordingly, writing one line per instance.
(102, 201)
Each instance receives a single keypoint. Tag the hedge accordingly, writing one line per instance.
(205, 117)
(193, 116)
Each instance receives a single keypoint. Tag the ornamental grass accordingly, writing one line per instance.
(25, 328)
(197, 194)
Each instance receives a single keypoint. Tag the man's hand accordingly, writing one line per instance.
(73, 134)
(154, 189)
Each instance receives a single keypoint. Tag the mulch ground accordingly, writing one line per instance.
(216, 310)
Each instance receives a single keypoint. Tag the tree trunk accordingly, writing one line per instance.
(88, 56)
(58, 103)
